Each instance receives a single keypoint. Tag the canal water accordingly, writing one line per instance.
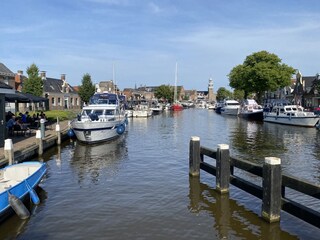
(138, 186)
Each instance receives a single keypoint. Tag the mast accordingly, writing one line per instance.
(175, 85)
(113, 78)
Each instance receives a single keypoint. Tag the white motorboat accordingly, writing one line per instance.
(291, 115)
(102, 120)
(230, 107)
(142, 110)
(251, 110)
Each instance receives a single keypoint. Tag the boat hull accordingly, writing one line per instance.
(98, 131)
(17, 179)
(307, 121)
(255, 115)
(229, 111)
(176, 107)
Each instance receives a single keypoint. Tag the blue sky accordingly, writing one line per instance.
(144, 39)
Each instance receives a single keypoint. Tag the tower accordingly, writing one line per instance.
(211, 95)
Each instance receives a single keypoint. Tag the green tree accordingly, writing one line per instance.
(223, 93)
(238, 94)
(33, 84)
(262, 71)
(86, 89)
(164, 92)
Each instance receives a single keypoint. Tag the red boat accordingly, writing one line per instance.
(176, 107)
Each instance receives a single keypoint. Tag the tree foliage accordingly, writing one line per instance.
(86, 89)
(223, 93)
(33, 84)
(262, 71)
(164, 92)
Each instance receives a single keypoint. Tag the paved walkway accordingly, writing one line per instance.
(21, 142)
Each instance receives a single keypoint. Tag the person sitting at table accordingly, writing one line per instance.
(10, 124)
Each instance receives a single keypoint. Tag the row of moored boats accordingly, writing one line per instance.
(279, 113)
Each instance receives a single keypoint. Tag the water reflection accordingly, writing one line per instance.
(231, 219)
(92, 161)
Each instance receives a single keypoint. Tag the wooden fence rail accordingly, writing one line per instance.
(274, 182)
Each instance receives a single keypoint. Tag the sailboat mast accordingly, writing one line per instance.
(175, 84)
(113, 78)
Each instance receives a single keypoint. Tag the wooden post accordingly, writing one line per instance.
(8, 151)
(223, 168)
(194, 157)
(40, 143)
(58, 133)
(271, 183)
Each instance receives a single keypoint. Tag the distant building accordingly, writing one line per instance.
(60, 93)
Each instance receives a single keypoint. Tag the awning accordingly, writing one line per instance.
(23, 98)
(16, 97)
(34, 98)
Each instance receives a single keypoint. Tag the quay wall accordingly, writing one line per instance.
(25, 149)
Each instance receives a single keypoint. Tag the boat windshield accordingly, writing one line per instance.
(104, 98)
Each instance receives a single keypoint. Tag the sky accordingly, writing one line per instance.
(138, 42)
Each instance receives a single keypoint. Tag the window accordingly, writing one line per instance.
(59, 101)
(53, 102)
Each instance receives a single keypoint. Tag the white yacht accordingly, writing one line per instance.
(102, 120)
(291, 115)
(230, 107)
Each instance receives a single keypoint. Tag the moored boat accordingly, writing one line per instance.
(251, 110)
(291, 115)
(230, 107)
(102, 120)
(176, 105)
(18, 181)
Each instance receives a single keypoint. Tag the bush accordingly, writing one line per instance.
(61, 114)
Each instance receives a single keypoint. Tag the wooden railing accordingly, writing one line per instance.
(274, 182)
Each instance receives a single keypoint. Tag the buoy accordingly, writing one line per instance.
(120, 129)
(70, 133)
(33, 195)
(18, 206)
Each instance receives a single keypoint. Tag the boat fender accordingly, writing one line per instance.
(33, 195)
(18, 206)
(71, 133)
(120, 129)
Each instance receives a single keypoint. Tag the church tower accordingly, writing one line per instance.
(211, 95)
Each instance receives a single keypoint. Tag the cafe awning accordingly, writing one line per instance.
(23, 98)
(16, 97)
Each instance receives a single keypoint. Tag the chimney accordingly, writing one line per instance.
(63, 77)
(43, 75)
(20, 72)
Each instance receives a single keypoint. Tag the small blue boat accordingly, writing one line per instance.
(17, 182)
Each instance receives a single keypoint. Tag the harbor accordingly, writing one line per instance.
(138, 186)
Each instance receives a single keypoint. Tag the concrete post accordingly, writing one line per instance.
(42, 128)
(8, 151)
(39, 141)
(223, 168)
(194, 156)
(271, 183)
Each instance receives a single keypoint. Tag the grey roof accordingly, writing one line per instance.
(4, 71)
(3, 85)
(55, 86)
